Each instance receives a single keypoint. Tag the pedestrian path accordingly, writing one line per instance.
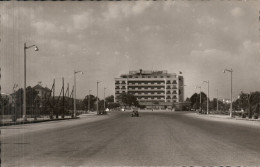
(227, 118)
(8, 121)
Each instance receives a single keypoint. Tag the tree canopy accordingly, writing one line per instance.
(128, 99)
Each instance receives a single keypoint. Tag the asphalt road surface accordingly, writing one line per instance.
(154, 138)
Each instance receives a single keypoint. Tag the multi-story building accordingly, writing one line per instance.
(153, 89)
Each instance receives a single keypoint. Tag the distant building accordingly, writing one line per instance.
(153, 89)
(42, 91)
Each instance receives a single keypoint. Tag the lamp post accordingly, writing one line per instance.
(217, 100)
(231, 71)
(207, 97)
(24, 86)
(105, 98)
(89, 100)
(97, 96)
(200, 96)
(75, 72)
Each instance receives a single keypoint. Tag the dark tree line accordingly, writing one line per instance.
(247, 102)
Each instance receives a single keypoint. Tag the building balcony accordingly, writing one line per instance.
(130, 84)
(146, 79)
(146, 90)
(152, 100)
(158, 95)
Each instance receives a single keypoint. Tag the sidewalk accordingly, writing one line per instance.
(226, 118)
(8, 122)
(236, 117)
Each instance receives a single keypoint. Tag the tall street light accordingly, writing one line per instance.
(97, 96)
(24, 86)
(75, 72)
(231, 71)
(200, 96)
(89, 100)
(207, 97)
(217, 100)
(105, 98)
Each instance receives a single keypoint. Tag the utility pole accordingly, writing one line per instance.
(89, 100)
(75, 72)
(105, 98)
(231, 101)
(63, 98)
(24, 86)
(217, 99)
(200, 97)
(97, 96)
(207, 97)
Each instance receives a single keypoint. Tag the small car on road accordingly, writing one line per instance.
(135, 113)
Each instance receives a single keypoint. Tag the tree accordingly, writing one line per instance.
(249, 102)
(32, 101)
(110, 99)
(195, 99)
(128, 99)
(92, 99)
(111, 105)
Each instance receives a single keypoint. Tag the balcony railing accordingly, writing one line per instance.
(146, 90)
(158, 95)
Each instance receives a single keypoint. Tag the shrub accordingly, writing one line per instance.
(256, 115)
(244, 115)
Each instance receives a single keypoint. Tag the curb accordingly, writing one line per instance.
(37, 121)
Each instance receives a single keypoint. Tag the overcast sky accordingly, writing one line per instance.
(105, 39)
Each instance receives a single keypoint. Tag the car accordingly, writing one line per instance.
(135, 113)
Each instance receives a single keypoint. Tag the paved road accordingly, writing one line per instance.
(162, 138)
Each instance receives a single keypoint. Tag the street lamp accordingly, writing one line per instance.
(24, 86)
(75, 72)
(208, 96)
(231, 71)
(89, 100)
(105, 98)
(200, 96)
(97, 96)
(217, 100)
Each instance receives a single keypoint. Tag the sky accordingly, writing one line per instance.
(105, 39)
